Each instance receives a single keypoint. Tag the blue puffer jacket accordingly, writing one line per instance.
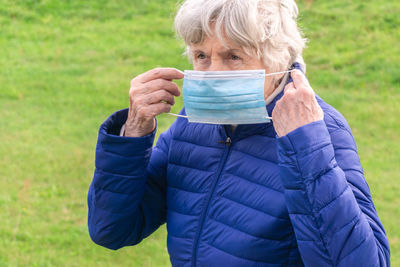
(242, 199)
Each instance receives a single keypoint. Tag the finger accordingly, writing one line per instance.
(156, 109)
(160, 96)
(289, 87)
(160, 84)
(300, 81)
(160, 73)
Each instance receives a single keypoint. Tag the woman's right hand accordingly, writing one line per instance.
(151, 93)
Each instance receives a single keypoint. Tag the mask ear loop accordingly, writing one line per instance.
(186, 117)
(177, 115)
(280, 72)
(268, 74)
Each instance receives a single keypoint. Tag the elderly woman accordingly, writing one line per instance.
(286, 192)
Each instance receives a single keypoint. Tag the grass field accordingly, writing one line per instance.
(66, 65)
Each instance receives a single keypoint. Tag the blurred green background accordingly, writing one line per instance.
(65, 66)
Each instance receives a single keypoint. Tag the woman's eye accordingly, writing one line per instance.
(201, 56)
(234, 57)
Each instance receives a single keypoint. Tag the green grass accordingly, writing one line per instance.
(66, 65)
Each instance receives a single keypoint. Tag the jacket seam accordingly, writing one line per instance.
(304, 240)
(195, 144)
(316, 146)
(352, 169)
(120, 213)
(180, 237)
(115, 192)
(189, 167)
(177, 188)
(242, 152)
(301, 214)
(344, 148)
(338, 123)
(365, 195)
(311, 178)
(246, 233)
(334, 129)
(354, 220)
(240, 257)
(140, 154)
(354, 249)
(141, 176)
(333, 200)
(253, 182)
(173, 210)
(256, 209)
(130, 177)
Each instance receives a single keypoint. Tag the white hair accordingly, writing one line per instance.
(265, 28)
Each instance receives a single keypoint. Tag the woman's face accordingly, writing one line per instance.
(212, 55)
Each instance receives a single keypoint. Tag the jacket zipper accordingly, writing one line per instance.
(228, 143)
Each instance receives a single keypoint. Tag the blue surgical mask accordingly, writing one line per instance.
(225, 97)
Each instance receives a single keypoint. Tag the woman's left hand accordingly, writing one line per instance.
(297, 107)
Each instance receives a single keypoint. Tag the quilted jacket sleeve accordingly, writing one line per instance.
(126, 198)
(328, 199)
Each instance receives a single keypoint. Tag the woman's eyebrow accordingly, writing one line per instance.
(222, 53)
(198, 51)
(230, 51)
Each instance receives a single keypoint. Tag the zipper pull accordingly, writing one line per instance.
(227, 142)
